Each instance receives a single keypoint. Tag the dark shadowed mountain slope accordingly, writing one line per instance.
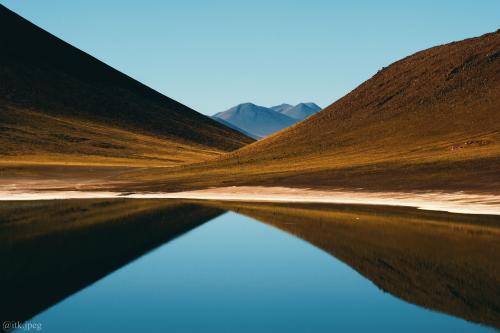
(257, 120)
(59, 103)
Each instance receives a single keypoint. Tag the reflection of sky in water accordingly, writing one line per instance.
(236, 275)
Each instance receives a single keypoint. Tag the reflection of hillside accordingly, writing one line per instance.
(51, 249)
(446, 262)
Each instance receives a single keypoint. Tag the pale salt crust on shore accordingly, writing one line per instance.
(456, 202)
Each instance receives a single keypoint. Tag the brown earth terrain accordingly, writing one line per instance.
(428, 121)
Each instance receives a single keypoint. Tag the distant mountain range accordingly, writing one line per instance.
(259, 121)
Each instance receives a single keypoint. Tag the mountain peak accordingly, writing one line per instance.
(281, 108)
(247, 104)
(301, 111)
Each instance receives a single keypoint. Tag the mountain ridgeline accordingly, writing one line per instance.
(59, 104)
(430, 121)
(259, 121)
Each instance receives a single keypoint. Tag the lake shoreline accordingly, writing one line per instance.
(453, 202)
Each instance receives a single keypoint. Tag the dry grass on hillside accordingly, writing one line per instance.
(429, 121)
(40, 139)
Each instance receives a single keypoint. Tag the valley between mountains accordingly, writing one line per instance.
(428, 122)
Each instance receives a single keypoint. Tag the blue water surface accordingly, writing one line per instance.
(235, 274)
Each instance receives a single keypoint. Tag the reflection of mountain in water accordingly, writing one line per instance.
(52, 249)
(447, 262)
(442, 261)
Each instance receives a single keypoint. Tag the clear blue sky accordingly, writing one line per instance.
(212, 55)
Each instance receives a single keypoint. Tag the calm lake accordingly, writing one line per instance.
(177, 266)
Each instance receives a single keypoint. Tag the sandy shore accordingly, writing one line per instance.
(456, 202)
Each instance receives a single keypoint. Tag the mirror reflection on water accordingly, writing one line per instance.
(186, 266)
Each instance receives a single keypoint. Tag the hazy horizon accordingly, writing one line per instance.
(261, 52)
